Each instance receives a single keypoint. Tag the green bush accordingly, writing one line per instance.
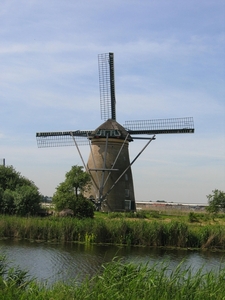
(83, 208)
(192, 217)
(18, 195)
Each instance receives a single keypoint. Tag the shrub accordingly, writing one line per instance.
(192, 217)
(83, 208)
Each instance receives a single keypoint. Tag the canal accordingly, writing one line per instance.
(50, 263)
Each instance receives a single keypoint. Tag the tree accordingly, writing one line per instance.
(8, 205)
(11, 179)
(64, 196)
(83, 208)
(69, 194)
(27, 200)
(216, 201)
(78, 179)
(18, 195)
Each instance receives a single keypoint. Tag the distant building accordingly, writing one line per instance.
(164, 206)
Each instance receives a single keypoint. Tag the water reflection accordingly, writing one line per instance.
(50, 263)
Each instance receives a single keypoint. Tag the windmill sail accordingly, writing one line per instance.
(62, 138)
(160, 126)
(107, 86)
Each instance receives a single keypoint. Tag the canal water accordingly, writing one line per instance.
(50, 263)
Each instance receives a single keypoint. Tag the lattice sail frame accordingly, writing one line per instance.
(107, 86)
(160, 126)
(62, 138)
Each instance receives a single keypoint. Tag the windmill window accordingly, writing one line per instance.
(127, 204)
(126, 177)
(127, 193)
(109, 133)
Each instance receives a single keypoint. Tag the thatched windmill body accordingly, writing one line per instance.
(109, 163)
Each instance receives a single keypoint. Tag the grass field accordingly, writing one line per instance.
(148, 228)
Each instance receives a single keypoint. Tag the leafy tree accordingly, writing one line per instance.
(83, 208)
(64, 196)
(69, 194)
(216, 201)
(11, 179)
(1, 198)
(78, 179)
(27, 200)
(18, 195)
(8, 205)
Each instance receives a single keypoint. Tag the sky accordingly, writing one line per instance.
(169, 63)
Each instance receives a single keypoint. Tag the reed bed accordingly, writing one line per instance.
(120, 281)
(114, 231)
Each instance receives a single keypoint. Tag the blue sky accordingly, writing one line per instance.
(169, 62)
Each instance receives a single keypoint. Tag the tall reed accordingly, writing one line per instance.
(114, 231)
(122, 281)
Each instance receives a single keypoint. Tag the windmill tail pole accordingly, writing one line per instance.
(141, 151)
(94, 183)
(117, 158)
(103, 197)
(78, 151)
(104, 166)
(92, 155)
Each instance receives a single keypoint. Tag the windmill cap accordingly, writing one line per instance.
(112, 129)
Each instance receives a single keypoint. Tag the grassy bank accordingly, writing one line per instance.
(120, 281)
(158, 231)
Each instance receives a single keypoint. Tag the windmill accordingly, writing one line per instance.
(109, 163)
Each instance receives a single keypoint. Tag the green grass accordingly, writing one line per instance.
(154, 230)
(117, 280)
